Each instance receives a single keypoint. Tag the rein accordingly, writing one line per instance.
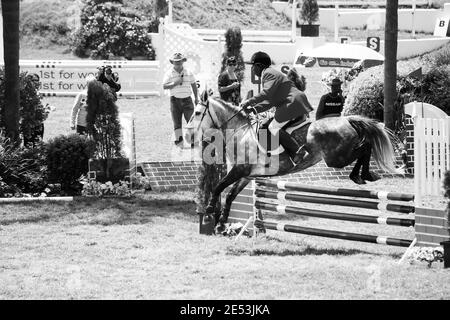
(212, 118)
(216, 126)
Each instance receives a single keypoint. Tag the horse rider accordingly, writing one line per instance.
(279, 92)
(332, 103)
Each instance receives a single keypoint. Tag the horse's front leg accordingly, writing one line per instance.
(232, 194)
(236, 173)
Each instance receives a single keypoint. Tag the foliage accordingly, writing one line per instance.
(365, 95)
(440, 57)
(310, 11)
(427, 254)
(446, 186)
(161, 8)
(22, 169)
(220, 14)
(436, 87)
(138, 181)
(233, 48)
(45, 20)
(32, 112)
(103, 121)
(99, 189)
(67, 159)
(110, 29)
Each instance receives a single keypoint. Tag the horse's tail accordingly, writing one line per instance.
(380, 138)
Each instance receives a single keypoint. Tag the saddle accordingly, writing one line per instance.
(297, 127)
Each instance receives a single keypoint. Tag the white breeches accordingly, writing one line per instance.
(275, 126)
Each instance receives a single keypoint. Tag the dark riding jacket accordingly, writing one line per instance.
(280, 92)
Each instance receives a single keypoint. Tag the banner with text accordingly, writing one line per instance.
(68, 77)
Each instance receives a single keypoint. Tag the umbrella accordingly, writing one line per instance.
(339, 55)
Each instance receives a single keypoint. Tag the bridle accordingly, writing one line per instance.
(213, 115)
(215, 126)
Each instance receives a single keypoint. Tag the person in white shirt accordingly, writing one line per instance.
(79, 110)
(181, 84)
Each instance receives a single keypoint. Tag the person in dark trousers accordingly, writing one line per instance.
(279, 92)
(182, 84)
(332, 103)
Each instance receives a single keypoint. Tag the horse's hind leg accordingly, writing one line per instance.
(363, 162)
(354, 175)
(366, 174)
(237, 187)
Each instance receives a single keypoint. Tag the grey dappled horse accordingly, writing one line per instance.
(337, 140)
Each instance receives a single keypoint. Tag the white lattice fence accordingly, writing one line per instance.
(203, 57)
(431, 155)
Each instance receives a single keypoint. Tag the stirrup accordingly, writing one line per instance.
(299, 155)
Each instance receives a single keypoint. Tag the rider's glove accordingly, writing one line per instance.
(246, 107)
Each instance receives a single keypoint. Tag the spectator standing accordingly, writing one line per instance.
(228, 83)
(181, 84)
(332, 103)
(79, 110)
(105, 75)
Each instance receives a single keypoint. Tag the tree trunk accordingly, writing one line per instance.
(10, 13)
(390, 62)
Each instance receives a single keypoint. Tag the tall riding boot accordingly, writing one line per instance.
(291, 145)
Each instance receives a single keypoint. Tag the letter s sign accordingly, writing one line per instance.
(373, 43)
(285, 69)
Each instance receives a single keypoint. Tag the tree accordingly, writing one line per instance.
(161, 8)
(310, 11)
(390, 63)
(233, 46)
(10, 116)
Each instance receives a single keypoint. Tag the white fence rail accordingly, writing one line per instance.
(68, 77)
(431, 155)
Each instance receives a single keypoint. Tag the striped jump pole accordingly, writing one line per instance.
(280, 195)
(338, 234)
(292, 186)
(403, 222)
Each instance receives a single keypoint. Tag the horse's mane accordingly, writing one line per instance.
(231, 108)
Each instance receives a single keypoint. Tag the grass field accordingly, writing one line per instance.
(149, 247)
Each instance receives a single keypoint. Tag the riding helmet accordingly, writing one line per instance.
(262, 58)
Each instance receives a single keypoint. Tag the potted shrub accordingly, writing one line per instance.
(67, 158)
(103, 126)
(309, 14)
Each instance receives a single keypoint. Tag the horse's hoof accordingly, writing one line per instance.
(371, 176)
(220, 228)
(357, 180)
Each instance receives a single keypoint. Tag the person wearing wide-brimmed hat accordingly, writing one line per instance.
(332, 103)
(181, 84)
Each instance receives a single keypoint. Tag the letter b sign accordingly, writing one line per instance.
(442, 27)
(373, 43)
